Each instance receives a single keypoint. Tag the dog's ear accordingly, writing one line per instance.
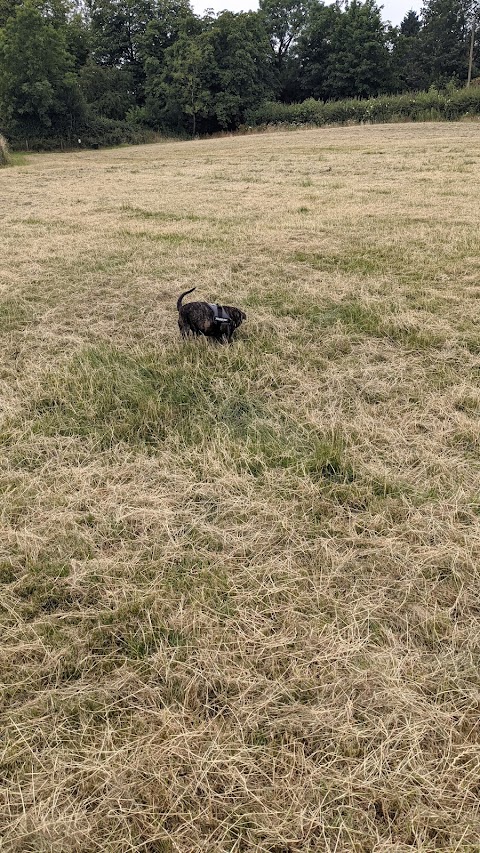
(244, 316)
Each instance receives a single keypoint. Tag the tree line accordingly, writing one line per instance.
(103, 67)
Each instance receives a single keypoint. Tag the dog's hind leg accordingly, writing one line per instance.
(193, 330)
(184, 327)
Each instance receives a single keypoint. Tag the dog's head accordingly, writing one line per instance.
(236, 316)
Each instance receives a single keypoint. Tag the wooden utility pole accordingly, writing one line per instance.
(472, 42)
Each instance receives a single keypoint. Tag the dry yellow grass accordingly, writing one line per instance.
(239, 585)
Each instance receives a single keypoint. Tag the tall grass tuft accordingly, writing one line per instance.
(5, 159)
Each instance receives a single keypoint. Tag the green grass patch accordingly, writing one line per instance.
(7, 572)
(113, 396)
(17, 158)
(171, 239)
(472, 344)
(155, 236)
(148, 398)
(351, 313)
(355, 317)
(413, 338)
(468, 403)
(360, 260)
(15, 314)
(467, 440)
(181, 399)
(43, 596)
(162, 215)
(134, 631)
(327, 459)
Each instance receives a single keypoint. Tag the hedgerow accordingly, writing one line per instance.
(433, 105)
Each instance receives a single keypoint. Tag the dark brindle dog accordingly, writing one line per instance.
(205, 318)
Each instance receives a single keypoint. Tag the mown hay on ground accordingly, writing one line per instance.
(239, 585)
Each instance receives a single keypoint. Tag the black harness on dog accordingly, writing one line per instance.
(219, 313)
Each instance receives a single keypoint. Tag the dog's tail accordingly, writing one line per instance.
(180, 298)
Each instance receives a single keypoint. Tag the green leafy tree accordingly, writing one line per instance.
(358, 63)
(108, 91)
(209, 80)
(407, 63)
(39, 94)
(132, 35)
(77, 39)
(284, 21)
(240, 75)
(56, 11)
(172, 18)
(7, 10)
(177, 96)
(315, 49)
(174, 22)
(411, 24)
(117, 28)
(444, 40)
(344, 52)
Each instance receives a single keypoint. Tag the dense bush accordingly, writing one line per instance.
(416, 106)
(102, 131)
(97, 132)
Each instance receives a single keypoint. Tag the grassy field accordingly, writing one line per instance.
(239, 586)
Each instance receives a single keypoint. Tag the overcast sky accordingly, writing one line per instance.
(393, 10)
